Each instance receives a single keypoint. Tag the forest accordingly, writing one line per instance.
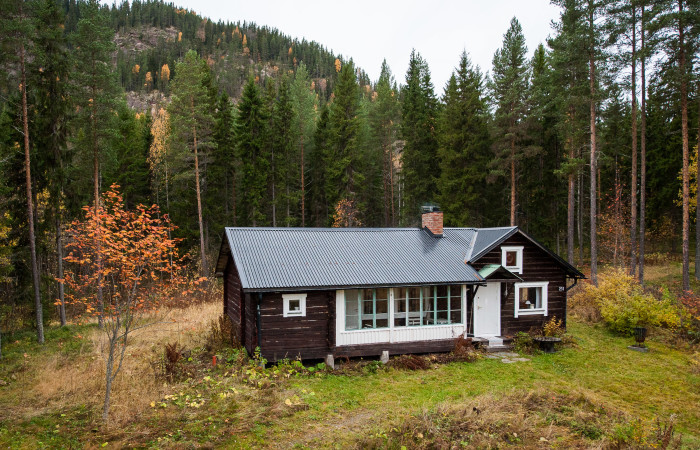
(588, 142)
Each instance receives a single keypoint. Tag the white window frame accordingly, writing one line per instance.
(302, 304)
(531, 312)
(518, 267)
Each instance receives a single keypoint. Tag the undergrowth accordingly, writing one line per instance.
(534, 419)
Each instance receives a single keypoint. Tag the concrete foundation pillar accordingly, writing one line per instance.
(385, 357)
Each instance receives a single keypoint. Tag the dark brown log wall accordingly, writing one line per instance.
(233, 295)
(537, 266)
(291, 337)
(399, 348)
(250, 329)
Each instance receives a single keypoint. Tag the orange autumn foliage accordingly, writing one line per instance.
(346, 214)
(129, 252)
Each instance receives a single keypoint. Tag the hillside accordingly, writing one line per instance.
(151, 35)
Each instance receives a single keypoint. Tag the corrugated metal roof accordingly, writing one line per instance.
(291, 258)
(487, 239)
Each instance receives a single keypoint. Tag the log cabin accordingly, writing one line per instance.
(315, 293)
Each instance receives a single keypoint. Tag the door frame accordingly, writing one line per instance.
(497, 302)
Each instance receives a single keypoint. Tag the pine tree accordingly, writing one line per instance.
(678, 27)
(596, 53)
(192, 125)
(464, 147)
(623, 22)
(420, 168)
(570, 95)
(18, 34)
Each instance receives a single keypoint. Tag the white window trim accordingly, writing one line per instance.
(302, 305)
(531, 312)
(518, 268)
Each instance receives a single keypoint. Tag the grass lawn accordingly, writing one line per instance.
(591, 396)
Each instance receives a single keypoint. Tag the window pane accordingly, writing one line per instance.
(530, 298)
(382, 306)
(352, 315)
(294, 306)
(456, 316)
(414, 306)
(511, 258)
(535, 296)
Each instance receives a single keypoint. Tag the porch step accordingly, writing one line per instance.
(496, 344)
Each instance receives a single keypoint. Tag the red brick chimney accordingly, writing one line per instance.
(432, 220)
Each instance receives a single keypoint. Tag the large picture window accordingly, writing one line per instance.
(531, 298)
(427, 305)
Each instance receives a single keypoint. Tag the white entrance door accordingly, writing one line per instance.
(487, 310)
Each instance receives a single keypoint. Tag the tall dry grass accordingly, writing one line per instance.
(62, 381)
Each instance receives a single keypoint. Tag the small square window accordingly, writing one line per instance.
(294, 305)
(512, 258)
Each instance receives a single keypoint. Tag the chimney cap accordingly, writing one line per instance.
(429, 208)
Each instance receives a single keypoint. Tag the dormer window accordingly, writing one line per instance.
(512, 258)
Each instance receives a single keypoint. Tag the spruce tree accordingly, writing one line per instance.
(304, 106)
(250, 133)
(319, 211)
(343, 178)
(130, 152)
(384, 122)
(509, 87)
(420, 167)
(95, 94)
(50, 72)
(283, 140)
(541, 192)
(464, 147)
(221, 195)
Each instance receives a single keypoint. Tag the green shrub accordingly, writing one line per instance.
(523, 343)
(623, 305)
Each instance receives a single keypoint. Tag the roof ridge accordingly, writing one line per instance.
(321, 229)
